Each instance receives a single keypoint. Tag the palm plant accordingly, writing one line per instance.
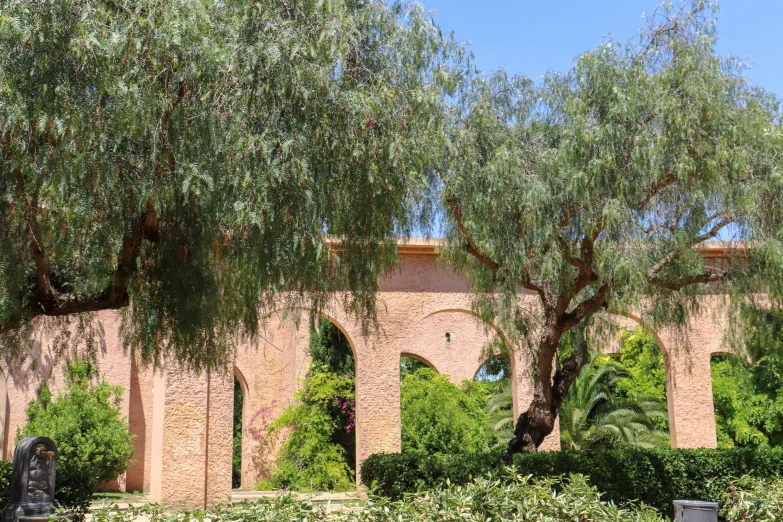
(500, 409)
(592, 417)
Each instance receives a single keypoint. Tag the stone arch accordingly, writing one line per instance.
(271, 369)
(686, 354)
(450, 340)
(420, 359)
(338, 318)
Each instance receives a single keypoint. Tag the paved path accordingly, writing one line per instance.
(333, 500)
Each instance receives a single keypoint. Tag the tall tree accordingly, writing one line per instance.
(188, 158)
(592, 191)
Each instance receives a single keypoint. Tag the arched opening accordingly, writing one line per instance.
(493, 383)
(410, 364)
(619, 397)
(310, 443)
(747, 386)
(236, 454)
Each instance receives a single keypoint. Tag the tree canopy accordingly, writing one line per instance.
(192, 159)
(593, 190)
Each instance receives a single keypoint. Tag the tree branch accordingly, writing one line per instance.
(653, 277)
(115, 296)
(707, 277)
(43, 287)
(473, 250)
(667, 181)
(470, 246)
(587, 307)
(583, 266)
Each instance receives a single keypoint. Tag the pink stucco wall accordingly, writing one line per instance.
(183, 422)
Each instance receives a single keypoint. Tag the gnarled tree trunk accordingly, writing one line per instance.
(535, 424)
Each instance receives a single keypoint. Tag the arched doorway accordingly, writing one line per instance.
(300, 384)
(239, 414)
(620, 396)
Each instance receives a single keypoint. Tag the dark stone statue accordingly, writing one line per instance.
(32, 482)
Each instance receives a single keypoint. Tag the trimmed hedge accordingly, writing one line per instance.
(392, 474)
(654, 476)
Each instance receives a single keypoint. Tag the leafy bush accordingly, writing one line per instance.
(753, 500)
(92, 438)
(5, 482)
(742, 414)
(516, 498)
(438, 417)
(312, 457)
(654, 476)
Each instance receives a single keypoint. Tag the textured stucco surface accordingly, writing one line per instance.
(270, 372)
(140, 420)
(183, 422)
(23, 380)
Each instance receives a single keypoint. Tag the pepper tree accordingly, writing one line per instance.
(592, 191)
(192, 159)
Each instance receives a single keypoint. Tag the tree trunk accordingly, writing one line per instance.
(538, 421)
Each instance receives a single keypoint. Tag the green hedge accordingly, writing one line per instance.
(654, 476)
(392, 474)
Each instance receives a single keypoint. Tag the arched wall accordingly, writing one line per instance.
(23, 381)
(686, 353)
(272, 369)
(187, 419)
(459, 356)
(420, 359)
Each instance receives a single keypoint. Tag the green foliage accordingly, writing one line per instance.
(741, 413)
(500, 408)
(394, 474)
(654, 476)
(312, 457)
(642, 359)
(594, 417)
(748, 402)
(753, 500)
(6, 469)
(409, 366)
(92, 438)
(329, 348)
(236, 452)
(606, 169)
(517, 498)
(195, 158)
(438, 417)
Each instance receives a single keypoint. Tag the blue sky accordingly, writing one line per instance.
(533, 36)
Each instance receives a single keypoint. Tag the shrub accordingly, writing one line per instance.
(654, 476)
(313, 458)
(438, 417)
(5, 482)
(753, 500)
(516, 498)
(91, 437)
